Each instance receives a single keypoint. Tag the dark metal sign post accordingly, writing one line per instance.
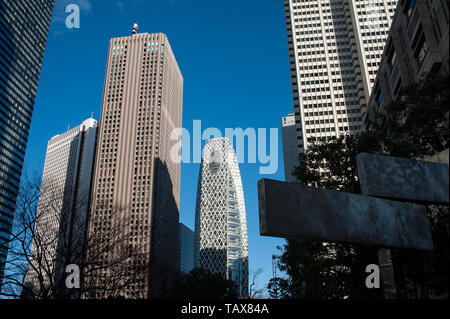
(382, 216)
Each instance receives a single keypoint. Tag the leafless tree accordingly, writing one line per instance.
(253, 291)
(52, 229)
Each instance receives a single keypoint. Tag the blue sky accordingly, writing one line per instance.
(234, 59)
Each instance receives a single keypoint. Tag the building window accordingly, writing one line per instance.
(379, 97)
(392, 56)
(421, 47)
(408, 8)
(397, 87)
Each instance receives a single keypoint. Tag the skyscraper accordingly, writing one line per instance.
(290, 151)
(186, 249)
(63, 202)
(417, 45)
(24, 26)
(220, 219)
(142, 105)
(335, 47)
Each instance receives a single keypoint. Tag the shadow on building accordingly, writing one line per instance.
(164, 241)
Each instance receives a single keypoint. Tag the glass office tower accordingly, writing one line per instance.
(186, 238)
(24, 26)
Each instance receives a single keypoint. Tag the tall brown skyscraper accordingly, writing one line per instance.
(135, 184)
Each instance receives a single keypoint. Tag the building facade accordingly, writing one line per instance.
(220, 218)
(335, 47)
(134, 173)
(290, 150)
(417, 45)
(61, 219)
(24, 26)
(186, 249)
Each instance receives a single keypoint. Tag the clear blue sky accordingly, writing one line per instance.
(234, 59)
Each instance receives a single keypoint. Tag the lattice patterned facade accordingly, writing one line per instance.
(220, 219)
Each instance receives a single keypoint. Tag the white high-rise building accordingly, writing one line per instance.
(335, 47)
(220, 219)
(63, 203)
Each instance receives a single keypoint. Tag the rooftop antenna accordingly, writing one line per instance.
(135, 28)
